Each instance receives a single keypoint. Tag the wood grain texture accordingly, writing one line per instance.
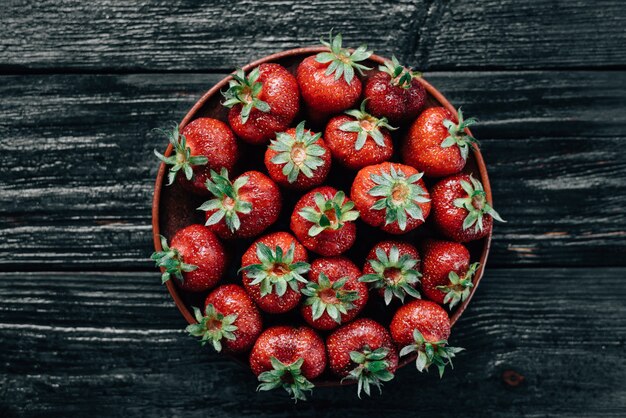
(78, 168)
(144, 35)
(111, 344)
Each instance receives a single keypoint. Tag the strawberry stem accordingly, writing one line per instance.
(400, 75)
(329, 213)
(171, 261)
(372, 369)
(476, 205)
(328, 297)
(245, 91)
(394, 273)
(429, 353)
(287, 376)
(459, 288)
(276, 270)
(458, 136)
(182, 158)
(213, 327)
(366, 125)
(298, 153)
(342, 61)
(227, 202)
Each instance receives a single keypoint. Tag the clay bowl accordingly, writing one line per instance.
(173, 208)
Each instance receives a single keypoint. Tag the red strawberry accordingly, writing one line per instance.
(323, 221)
(242, 208)
(327, 80)
(423, 326)
(460, 208)
(298, 159)
(272, 272)
(230, 319)
(395, 93)
(391, 196)
(437, 142)
(358, 139)
(263, 103)
(195, 257)
(334, 293)
(205, 144)
(362, 351)
(288, 357)
(392, 267)
(447, 272)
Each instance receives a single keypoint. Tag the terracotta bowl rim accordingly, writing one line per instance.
(306, 51)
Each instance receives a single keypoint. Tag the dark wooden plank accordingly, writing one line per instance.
(110, 344)
(78, 168)
(181, 35)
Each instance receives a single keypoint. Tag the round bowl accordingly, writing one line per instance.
(173, 208)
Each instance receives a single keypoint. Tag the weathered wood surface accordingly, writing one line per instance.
(78, 170)
(140, 35)
(111, 344)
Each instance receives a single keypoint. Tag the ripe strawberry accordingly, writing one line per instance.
(358, 139)
(392, 267)
(323, 221)
(230, 319)
(437, 142)
(423, 326)
(263, 103)
(195, 257)
(334, 293)
(460, 208)
(272, 272)
(203, 145)
(447, 272)
(288, 357)
(391, 196)
(395, 93)
(327, 80)
(298, 159)
(242, 208)
(363, 351)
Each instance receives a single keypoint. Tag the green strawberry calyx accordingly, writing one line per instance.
(276, 270)
(459, 288)
(430, 353)
(227, 202)
(372, 369)
(394, 273)
(329, 214)
(299, 153)
(366, 125)
(182, 158)
(328, 297)
(400, 196)
(342, 61)
(171, 260)
(476, 205)
(287, 376)
(213, 327)
(245, 90)
(400, 75)
(458, 136)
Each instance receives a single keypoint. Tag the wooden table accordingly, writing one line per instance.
(86, 329)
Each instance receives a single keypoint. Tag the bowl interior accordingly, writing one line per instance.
(174, 208)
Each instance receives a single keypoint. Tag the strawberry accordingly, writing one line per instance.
(262, 103)
(230, 319)
(437, 143)
(203, 145)
(391, 196)
(363, 351)
(272, 272)
(358, 139)
(460, 208)
(242, 208)
(323, 221)
(423, 326)
(447, 272)
(334, 293)
(327, 80)
(392, 267)
(195, 257)
(288, 357)
(298, 159)
(395, 93)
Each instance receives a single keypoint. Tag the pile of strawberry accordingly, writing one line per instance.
(327, 295)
